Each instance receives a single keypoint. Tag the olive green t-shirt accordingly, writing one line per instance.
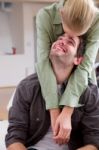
(49, 28)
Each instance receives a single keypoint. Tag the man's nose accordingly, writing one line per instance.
(65, 43)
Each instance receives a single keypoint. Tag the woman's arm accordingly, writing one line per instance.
(45, 38)
(79, 79)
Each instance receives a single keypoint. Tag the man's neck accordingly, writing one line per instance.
(62, 73)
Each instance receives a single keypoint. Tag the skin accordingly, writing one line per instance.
(17, 146)
(88, 147)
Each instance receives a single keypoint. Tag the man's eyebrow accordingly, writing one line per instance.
(73, 40)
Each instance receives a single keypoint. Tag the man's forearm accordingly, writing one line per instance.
(88, 147)
(17, 146)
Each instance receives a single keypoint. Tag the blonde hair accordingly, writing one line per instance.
(78, 15)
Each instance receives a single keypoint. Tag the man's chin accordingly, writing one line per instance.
(59, 59)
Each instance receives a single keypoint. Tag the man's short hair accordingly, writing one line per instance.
(81, 47)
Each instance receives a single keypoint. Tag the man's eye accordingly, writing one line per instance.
(70, 42)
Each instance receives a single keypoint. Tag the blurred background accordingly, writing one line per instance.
(17, 44)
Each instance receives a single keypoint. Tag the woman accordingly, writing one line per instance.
(75, 18)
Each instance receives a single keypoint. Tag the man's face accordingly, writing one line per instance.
(64, 49)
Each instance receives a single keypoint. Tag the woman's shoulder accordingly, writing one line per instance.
(96, 18)
(48, 11)
(93, 32)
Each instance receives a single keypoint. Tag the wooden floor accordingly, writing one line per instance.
(5, 95)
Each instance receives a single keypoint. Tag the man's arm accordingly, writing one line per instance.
(88, 147)
(16, 146)
(19, 117)
(90, 119)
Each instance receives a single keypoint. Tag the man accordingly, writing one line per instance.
(29, 122)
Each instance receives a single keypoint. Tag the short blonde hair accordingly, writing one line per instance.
(78, 15)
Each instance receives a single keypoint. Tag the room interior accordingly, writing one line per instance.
(17, 49)
(17, 43)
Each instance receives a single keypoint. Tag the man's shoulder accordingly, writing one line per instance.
(90, 94)
(30, 81)
(27, 88)
(91, 88)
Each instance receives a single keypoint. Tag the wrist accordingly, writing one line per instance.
(88, 147)
(54, 112)
(68, 110)
(16, 146)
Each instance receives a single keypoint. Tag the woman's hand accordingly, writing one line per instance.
(63, 127)
(54, 113)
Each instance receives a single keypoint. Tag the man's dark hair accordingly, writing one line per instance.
(81, 47)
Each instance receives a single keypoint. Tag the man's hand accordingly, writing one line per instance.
(54, 113)
(16, 146)
(62, 128)
(88, 147)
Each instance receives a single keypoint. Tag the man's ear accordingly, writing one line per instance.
(78, 60)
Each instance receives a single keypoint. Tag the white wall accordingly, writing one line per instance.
(29, 12)
(14, 68)
(15, 20)
(11, 29)
(5, 35)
